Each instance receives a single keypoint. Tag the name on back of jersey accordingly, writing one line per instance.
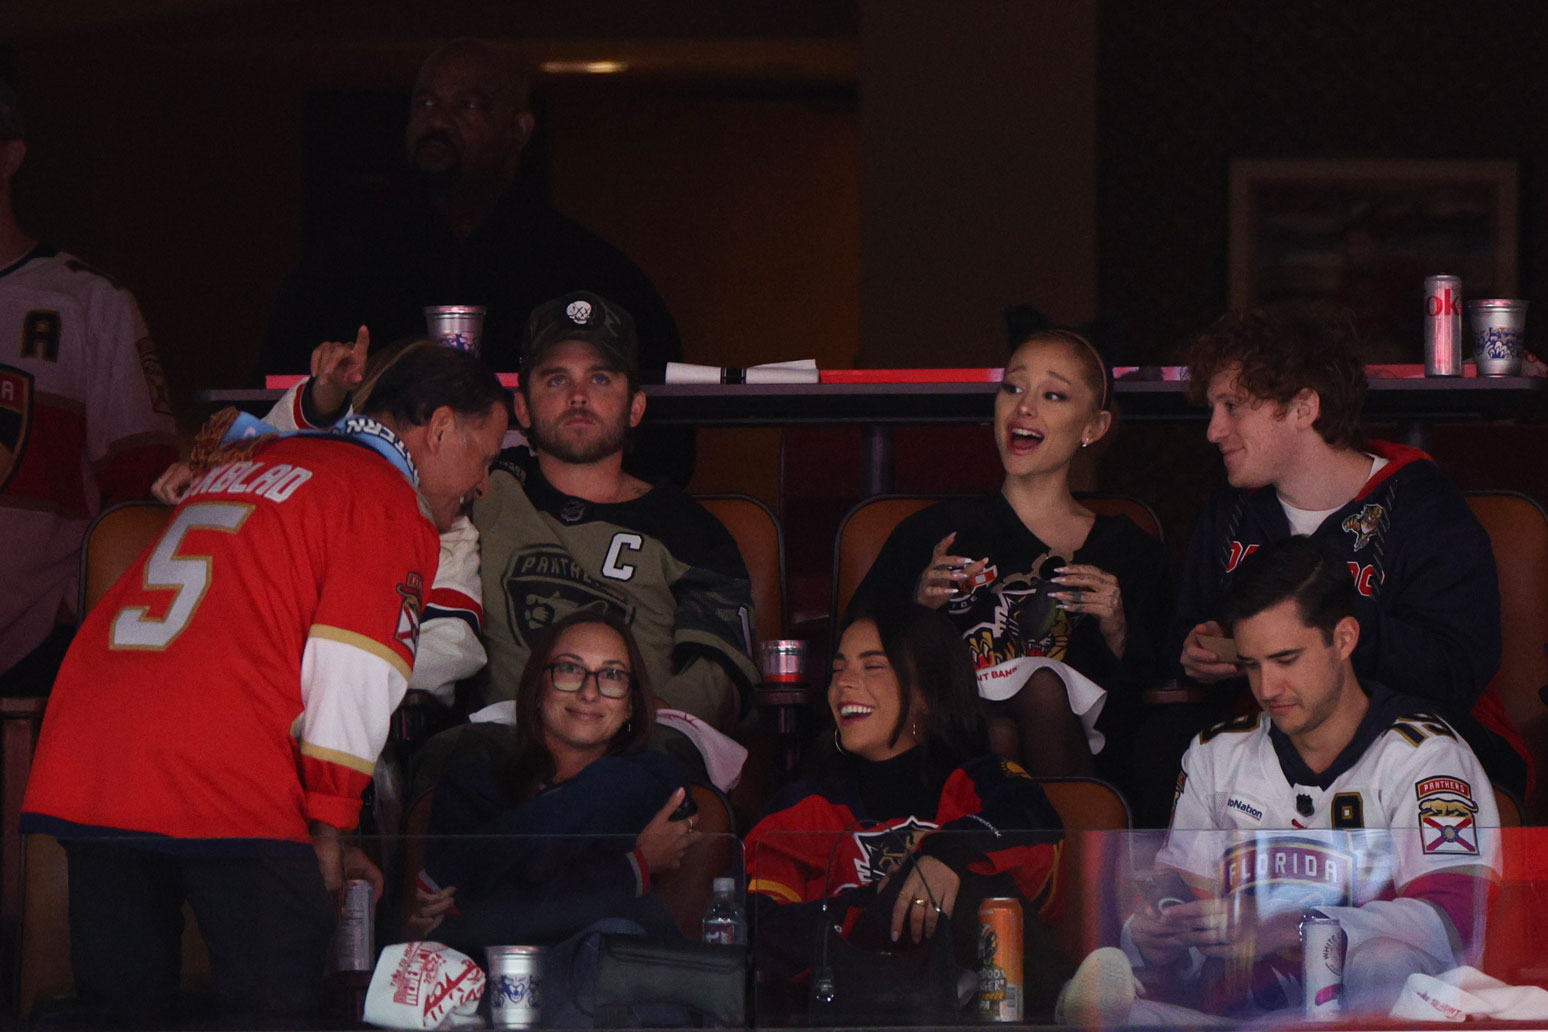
(274, 481)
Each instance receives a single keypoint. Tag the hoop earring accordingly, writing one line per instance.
(837, 744)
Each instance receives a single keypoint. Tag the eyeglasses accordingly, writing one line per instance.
(612, 682)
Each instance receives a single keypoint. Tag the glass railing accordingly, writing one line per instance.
(1270, 928)
(1146, 929)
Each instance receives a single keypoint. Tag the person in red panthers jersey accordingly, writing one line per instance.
(221, 709)
(84, 423)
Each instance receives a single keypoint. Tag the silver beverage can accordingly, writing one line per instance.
(456, 326)
(1323, 943)
(1499, 334)
(1442, 326)
(515, 976)
(784, 662)
(357, 928)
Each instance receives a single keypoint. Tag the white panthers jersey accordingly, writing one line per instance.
(1404, 814)
(84, 421)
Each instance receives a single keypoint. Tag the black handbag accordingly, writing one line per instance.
(853, 985)
(707, 979)
(866, 987)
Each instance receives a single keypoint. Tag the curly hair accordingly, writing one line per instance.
(1278, 351)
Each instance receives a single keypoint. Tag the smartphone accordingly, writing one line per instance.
(1225, 648)
(1162, 889)
(686, 809)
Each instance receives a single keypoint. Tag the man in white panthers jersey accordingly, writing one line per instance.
(1340, 800)
(84, 423)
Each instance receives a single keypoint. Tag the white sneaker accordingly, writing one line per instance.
(1101, 993)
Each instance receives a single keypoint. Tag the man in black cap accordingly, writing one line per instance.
(565, 527)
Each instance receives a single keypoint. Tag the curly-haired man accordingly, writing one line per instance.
(1285, 389)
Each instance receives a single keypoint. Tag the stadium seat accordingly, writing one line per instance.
(114, 541)
(865, 528)
(19, 721)
(688, 889)
(1080, 909)
(1518, 531)
(760, 538)
(762, 544)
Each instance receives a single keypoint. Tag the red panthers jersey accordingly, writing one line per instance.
(238, 680)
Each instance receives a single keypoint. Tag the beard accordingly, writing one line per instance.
(438, 178)
(551, 438)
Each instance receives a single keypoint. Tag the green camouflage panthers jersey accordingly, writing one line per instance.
(660, 562)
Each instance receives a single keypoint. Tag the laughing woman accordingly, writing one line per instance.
(1060, 606)
(908, 819)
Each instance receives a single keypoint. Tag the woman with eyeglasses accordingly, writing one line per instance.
(571, 829)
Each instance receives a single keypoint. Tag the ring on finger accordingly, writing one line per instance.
(916, 901)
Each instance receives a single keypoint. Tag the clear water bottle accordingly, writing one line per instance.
(725, 923)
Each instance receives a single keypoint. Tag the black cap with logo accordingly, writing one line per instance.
(582, 315)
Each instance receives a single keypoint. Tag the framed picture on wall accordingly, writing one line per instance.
(1367, 232)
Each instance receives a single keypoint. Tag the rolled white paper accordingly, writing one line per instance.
(802, 370)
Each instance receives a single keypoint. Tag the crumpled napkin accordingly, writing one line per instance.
(424, 985)
(802, 370)
(1465, 992)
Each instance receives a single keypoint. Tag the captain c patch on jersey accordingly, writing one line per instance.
(1446, 816)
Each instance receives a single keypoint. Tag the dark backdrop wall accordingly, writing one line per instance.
(1185, 87)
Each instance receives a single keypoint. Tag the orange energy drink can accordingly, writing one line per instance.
(1001, 980)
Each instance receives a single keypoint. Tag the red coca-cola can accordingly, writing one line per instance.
(1442, 326)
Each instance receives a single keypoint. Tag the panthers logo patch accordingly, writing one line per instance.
(1446, 816)
(15, 418)
(410, 611)
(884, 850)
(1364, 524)
(546, 583)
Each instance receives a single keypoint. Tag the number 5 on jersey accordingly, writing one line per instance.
(188, 575)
